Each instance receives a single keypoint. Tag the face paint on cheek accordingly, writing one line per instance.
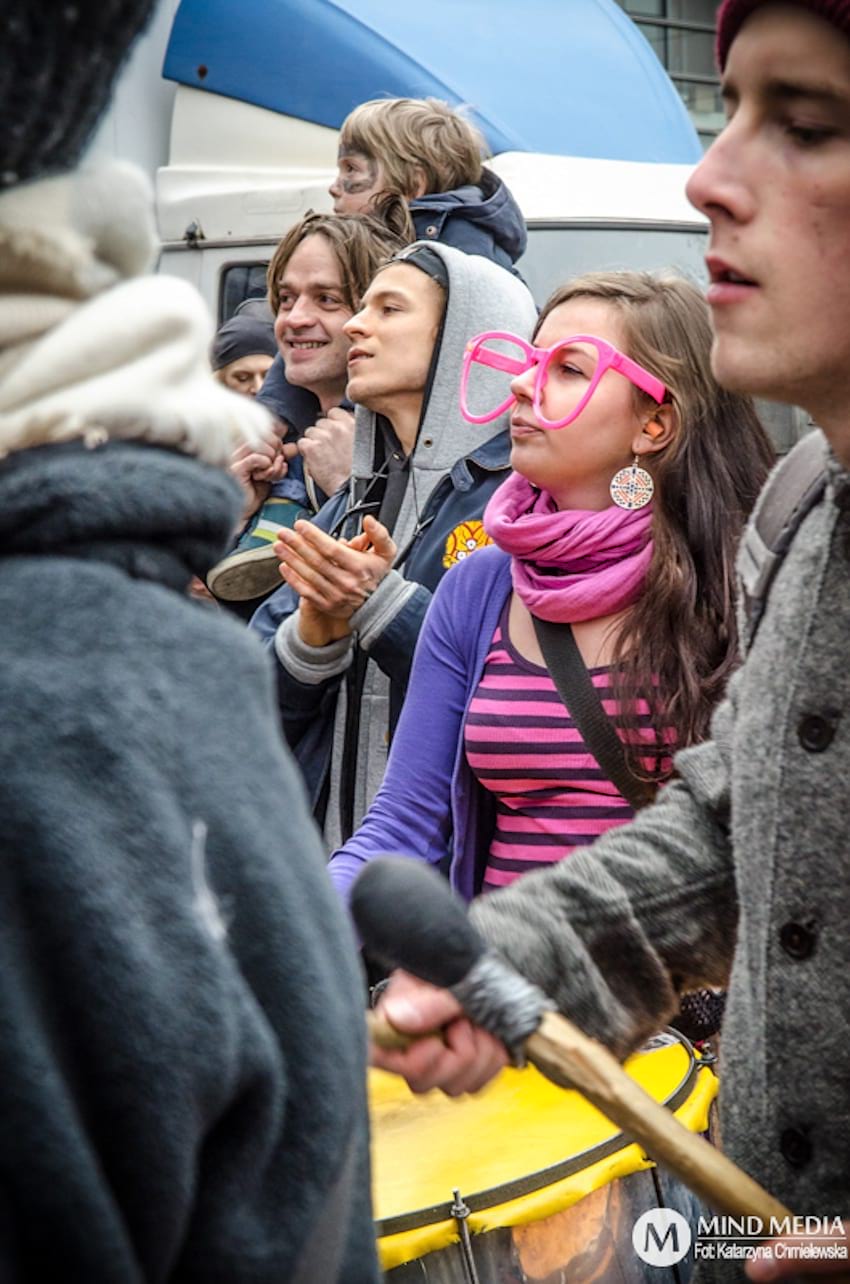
(356, 183)
(354, 186)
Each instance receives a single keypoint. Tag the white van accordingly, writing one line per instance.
(261, 88)
(219, 224)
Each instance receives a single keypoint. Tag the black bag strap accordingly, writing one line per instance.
(790, 493)
(575, 686)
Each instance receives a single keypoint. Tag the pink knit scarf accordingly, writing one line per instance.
(598, 560)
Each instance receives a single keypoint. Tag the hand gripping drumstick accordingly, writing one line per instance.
(407, 916)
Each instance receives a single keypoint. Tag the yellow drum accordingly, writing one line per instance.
(524, 1183)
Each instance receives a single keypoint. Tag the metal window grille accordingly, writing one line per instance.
(682, 34)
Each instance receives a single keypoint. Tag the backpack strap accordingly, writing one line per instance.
(575, 686)
(793, 489)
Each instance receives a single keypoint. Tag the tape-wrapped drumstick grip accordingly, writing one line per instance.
(407, 917)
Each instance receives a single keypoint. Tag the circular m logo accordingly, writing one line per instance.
(661, 1237)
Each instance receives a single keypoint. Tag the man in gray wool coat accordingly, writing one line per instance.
(740, 874)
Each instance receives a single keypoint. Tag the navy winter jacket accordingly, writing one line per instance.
(478, 219)
(164, 1116)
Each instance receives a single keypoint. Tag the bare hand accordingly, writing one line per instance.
(328, 448)
(463, 1058)
(257, 468)
(318, 629)
(335, 576)
(199, 591)
(783, 1258)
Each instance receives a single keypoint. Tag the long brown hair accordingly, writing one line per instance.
(678, 644)
(360, 244)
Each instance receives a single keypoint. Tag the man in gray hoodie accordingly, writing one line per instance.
(740, 874)
(343, 660)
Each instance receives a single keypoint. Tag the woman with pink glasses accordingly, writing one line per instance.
(614, 541)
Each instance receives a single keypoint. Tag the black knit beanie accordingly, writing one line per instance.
(732, 14)
(58, 62)
(243, 336)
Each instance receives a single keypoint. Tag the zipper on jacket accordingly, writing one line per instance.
(355, 680)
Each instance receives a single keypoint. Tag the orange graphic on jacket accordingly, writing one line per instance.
(463, 540)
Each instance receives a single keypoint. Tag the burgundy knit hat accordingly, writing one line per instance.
(732, 13)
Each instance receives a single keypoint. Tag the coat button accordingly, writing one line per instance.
(815, 733)
(796, 940)
(795, 1146)
(431, 229)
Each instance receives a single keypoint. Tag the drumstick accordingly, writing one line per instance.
(409, 918)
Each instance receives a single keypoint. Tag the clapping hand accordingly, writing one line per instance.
(333, 577)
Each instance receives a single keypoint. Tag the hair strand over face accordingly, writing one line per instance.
(360, 244)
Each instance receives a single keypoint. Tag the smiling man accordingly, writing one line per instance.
(316, 278)
(740, 873)
(311, 303)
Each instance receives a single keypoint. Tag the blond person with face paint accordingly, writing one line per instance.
(741, 872)
(430, 155)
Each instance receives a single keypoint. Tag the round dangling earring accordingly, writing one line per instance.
(632, 487)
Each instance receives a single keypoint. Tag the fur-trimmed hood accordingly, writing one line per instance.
(91, 349)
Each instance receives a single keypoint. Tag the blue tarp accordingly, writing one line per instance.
(574, 77)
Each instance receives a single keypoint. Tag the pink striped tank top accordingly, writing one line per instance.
(523, 747)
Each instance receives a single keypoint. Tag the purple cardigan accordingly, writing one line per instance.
(430, 806)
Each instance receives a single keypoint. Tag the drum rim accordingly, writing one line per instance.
(480, 1201)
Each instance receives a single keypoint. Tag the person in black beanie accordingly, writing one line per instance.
(243, 350)
(182, 1054)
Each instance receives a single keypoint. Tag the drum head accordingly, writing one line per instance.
(520, 1150)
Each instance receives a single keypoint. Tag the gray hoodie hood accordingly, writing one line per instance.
(481, 296)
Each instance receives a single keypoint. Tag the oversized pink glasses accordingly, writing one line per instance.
(510, 355)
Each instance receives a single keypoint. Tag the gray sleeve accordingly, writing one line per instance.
(370, 619)
(310, 664)
(616, 933)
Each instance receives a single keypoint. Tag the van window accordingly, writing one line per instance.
(240, 281)
(557, 252)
